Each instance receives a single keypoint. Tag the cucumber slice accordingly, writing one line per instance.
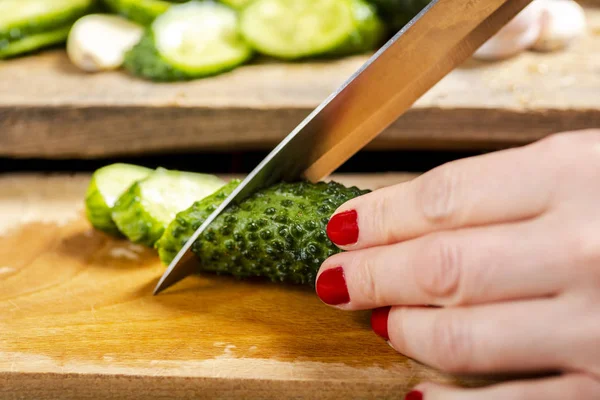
(369, 33)
(22, 18)
(33, 42)
(236, 4)
(106, 186)
(144, 211)
(141, 11)
(181, 229)
(200, 38)
(189, 41)
(293, 29)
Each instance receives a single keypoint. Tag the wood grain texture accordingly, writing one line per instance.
(78, 320)
(50, 109)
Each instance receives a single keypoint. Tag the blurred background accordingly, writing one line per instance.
(213, 86)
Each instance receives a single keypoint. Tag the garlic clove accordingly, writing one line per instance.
(98, 42)
(515, 37)
(563, 21)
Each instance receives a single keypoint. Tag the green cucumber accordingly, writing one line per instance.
(144, 211)
(141, 11)
(34, 42)
(236, 4)
(397, 13)
(27, 25)
(186, 222)
(296, 29)
(278, 233)
(369, 33)
(189, 41)
(106, 186)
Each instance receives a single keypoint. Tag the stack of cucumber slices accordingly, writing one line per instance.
(198, 39)
(175, 40)
(138, 203)
(278, 232)
(29, 25)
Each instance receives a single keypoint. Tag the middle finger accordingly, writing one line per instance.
(469, 266)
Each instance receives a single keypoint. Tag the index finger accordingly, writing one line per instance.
(500, 187)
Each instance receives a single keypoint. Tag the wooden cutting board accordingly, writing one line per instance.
(78, 320)
(50, 109)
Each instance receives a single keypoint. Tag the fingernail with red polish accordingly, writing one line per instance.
(379, 321)
(414, 395)
(342, 228)
(331, 287)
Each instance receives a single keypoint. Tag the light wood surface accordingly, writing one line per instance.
(78, 320)
(50, 109)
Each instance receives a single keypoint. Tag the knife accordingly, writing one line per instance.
(442, 36)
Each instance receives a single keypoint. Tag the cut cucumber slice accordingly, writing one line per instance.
(187, 221)
(22, 18)
(33, 42)
(144, 211)
(106, 186)
(292, 29)
(189, 41)
(369, 33)
(236, 4)
(200, 38)
(141, 11)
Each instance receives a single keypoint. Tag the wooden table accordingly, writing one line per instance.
(50, 109)
(78, 319)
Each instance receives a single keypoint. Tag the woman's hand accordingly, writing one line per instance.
(505, 246)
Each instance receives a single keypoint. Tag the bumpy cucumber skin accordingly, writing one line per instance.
(144, 61)
(186, 222)
(279, 233)
(46, 30)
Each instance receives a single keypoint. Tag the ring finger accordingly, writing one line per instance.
(509, 337)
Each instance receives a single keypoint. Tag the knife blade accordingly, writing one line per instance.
(441, 37)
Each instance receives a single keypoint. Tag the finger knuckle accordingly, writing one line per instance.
(438, 194)
(581, 386)
(583, 247)
(452, 342)
(440, 273)
(369, 292)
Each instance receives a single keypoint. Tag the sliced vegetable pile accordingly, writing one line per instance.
(28, 25)
(175, 40)
(278, 233)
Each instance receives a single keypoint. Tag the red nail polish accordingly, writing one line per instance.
(331, 287)
(342, 228)
(414, 395)
(379, 321)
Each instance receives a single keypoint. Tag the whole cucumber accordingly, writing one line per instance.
(278, 233)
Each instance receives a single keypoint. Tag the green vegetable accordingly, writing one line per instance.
(106, 186)
(277, 233)
(236, 4)
(295, 29)
(28, 25)
(397, 13)
(189, 41)
(141, 11)
(143, 212)
(34, 42)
